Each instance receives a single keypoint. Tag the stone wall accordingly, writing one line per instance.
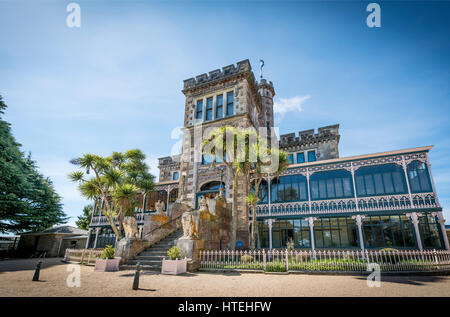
(325, 142)
(215, 230)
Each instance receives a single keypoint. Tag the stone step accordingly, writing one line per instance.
(168, 245)
(158, 249)
(143, 267)
(153, 253)
(150, 257)
(146, 262)
(147, 253)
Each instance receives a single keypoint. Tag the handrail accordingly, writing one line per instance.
(161, 225)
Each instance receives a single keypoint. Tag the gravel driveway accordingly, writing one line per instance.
(16, 275)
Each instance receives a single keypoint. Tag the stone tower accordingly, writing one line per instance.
(267, 92)
(227, 97)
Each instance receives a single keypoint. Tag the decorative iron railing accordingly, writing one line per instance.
(364, 204)
(323, 260)
(102, 220)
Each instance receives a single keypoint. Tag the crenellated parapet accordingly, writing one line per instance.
(309, 136)
(219, 74)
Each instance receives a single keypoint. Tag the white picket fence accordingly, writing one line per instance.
(325, 260)
(82, 256)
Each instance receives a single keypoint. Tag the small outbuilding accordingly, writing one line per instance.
(51, 242)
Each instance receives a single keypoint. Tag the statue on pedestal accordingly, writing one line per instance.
(190, 230)
(130, 227)
(160, 206)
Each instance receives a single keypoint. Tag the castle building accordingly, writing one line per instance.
(323, 201)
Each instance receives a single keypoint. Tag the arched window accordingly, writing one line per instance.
(380, 180)
(331, 185)
(214, 185)
(289, 188)
(419, 178)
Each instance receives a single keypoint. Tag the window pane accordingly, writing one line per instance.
(314, 189)
(387, 179)
(398, 182)
(379, 189)
(287, 192)
(330, 188)
(338, 187)
(230, 103)
(348, 192)
(360, 189)
(300, 158)
(311, 156)
(199, 110)
(303, 191)
(219, 106)
(322, 189)
(291, 158)
(370, 190)
(209, 108)
(281, 194)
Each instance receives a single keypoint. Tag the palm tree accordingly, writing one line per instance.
(118, 180)
(219, 145)
(260, 168)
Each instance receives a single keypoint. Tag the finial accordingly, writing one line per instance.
(261, 65)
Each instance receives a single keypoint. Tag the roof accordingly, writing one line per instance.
(60, 230)
(75, 237)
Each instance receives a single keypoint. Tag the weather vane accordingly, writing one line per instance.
(261, 65)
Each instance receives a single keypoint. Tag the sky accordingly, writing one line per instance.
(115, 82)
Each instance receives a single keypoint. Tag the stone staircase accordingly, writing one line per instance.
(151, 258)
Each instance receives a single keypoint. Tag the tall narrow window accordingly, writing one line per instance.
(230, 103)
(311, 156)
(199, 110)
(300, 158)
(291, 158)
(175, 176)
(419, 179)
(209, 109)
(219, 106)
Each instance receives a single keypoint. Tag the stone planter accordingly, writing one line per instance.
(174, 267)
(107, 265)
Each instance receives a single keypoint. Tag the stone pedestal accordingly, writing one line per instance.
(147, 226)
(127, 248)
(190, 249)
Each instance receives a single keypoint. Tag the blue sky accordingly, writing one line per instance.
(115, 83)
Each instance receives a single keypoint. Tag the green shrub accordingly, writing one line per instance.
(174, 253)
(276, 267)
(108, 252)
(246, 258)
(389, 249)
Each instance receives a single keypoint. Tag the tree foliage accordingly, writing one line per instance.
(84, 220)
(245, 154)
(28, 201)
(117, 185)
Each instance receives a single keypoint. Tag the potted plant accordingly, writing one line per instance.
(175, 265)
(107, 262)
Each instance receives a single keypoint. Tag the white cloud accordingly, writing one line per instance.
(152, 162)
(294, 104)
